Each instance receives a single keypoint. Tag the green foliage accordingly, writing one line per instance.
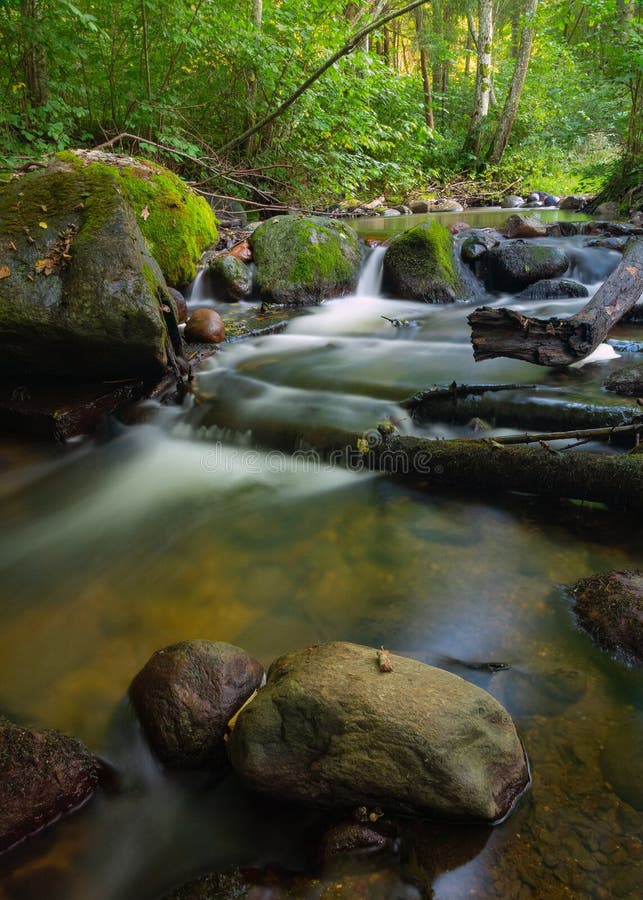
(192, 76)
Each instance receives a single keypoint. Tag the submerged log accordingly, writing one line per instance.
(555, 341)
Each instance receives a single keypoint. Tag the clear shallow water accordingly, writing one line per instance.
(167, 531)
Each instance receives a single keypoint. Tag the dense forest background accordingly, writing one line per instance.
(510, 93)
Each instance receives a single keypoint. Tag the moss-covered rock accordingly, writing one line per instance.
(80, 293)
(420, 265)
(516, 264)
(231, 278)
(176, 223)
(302, 260)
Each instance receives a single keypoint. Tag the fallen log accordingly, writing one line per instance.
(555, 341)
(478, 466)
(522, 413)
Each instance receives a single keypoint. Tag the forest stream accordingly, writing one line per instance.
(168, 526)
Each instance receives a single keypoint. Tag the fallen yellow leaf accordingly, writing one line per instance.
(42, 224)
(5, 271)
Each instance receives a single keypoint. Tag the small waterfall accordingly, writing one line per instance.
(199, 291)
(370, 280)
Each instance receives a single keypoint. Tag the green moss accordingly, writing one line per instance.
(176, 223)
(420, 264)
(304, 259)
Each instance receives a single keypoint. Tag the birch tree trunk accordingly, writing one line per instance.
(473, 140)
(510, 109)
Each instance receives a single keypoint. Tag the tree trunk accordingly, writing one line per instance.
(559, 342)
(424, 68)
(34, 57)
(473, 140)
(510, 109)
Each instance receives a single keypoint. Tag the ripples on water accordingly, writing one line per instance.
(166, 531)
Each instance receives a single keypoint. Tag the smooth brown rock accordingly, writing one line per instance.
(518, 226)
(205, 326)
(330, 728)
(43, 774)
(186, 694)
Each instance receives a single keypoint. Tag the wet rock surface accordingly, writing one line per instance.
(518, 226)
(43, 775)
(205, 326)
(516, 264)
(302, 260)
(186, 694)
(609, 608)
(419, 264)
(231, 278)
(553, 289)
(332, 728)
(627, 381)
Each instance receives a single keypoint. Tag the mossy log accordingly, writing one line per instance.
(559, 342)
(508, 409)
(479, 466)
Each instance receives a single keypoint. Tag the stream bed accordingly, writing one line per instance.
(170, 527)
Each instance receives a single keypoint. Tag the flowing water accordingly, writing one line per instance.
(180, 527)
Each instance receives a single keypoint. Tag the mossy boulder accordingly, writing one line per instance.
(513, 265)
(553, 289)
(177, 224)
(80, 293)
(302, 260)
(338, 726)
(43, 774)
(231, 278)
(420, 265)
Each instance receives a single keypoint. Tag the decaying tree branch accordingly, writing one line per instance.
(559, 342)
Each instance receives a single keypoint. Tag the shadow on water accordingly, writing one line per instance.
(181, 529)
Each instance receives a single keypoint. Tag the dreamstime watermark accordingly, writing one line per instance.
(370, 455)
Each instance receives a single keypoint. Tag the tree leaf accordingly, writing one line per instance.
(5, 271)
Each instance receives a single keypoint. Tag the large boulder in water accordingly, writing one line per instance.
(518, 226)
(515, 264)
(302, 260)
(186, 694)
(80, 293)
(231, 278)
(609, 607)
(419, 264)
(43, 774)
(628, 381)
(337, 726)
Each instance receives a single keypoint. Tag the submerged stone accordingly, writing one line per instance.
(302, 260)
(609, 607)
(43, 775)
(628, 382)
(553, 289)
(186, 694)
(420, 265)
(516, 264)
(334, 728)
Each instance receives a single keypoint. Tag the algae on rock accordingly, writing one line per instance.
(419, 264)
(177, 224)
(81, 295)
(302, 260)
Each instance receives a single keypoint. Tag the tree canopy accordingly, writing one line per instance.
(547, 94)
